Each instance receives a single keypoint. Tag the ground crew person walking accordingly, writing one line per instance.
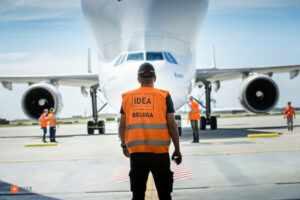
(43, 123)
(194, 116)
(52, 124)
(146, 128)
(289, 114)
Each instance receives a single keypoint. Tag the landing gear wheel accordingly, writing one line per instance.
(213, 122)
(202, 123)
(90, 127)
(101, 125)
(178, 121)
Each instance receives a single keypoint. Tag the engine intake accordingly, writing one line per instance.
(258, 94)
(39, 97)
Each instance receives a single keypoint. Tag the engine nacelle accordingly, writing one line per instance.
(40, 96)
(258, 94)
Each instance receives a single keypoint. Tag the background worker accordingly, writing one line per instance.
(289, 114)
(194, 116)
(146, 126)
(43, 123)
(52, 124)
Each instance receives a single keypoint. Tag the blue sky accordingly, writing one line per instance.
(51, 37)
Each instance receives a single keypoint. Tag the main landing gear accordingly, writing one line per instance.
(208, 120)
(95, 125)
(178, 122)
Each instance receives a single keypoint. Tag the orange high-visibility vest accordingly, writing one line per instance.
(194, 113)
(146, 120)
(289, 111)
(43, 121)
(52, 121)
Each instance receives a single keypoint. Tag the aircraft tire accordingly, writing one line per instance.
(202, 123)
(101, 124)
(90, 130)
(213, 122)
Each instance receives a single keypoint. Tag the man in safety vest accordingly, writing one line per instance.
(43, 123)
(147, 126)
(289, 114)
(194, 116)
(52, 124)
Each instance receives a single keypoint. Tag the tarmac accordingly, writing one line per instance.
(226, 164)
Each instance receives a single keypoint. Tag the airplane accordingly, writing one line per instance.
(163, 33)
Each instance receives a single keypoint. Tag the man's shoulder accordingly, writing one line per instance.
(163, 92)
(138, 90)
(130, 92)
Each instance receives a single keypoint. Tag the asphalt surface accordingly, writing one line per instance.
(226, 164)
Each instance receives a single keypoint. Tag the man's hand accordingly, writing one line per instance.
(177, 157)
(126, 152)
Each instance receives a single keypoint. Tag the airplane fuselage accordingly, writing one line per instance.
(129, 33)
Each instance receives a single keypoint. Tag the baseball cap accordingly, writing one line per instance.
(146, 70)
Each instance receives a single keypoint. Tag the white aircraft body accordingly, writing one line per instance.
(163, 33)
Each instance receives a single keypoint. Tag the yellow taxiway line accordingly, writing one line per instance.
(263, 135)
(151, 192)
(41, 144)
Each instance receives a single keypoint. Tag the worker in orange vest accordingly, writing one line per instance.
(194, 116)
(146, 128)
(289, 114)
(43, 123)
(52, 124)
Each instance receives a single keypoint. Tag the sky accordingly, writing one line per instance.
(52, 37)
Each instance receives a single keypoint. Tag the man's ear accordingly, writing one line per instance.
(154, 79)
(139, 79)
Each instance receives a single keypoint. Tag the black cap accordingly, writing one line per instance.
(146, 70)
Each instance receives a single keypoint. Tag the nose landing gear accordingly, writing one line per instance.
(95, 125)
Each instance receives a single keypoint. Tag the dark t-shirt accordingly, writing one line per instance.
(169, 102)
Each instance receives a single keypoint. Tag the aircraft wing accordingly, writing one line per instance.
(82, 80)
(213, 75)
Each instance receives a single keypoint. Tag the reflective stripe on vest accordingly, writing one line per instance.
(43, 121)
(146, 124)
(289, 111)
(194, 113)
(148, 142)
(52, 121)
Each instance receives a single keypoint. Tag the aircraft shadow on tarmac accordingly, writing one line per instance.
(221, 133)
(5, 193)
(224, 133)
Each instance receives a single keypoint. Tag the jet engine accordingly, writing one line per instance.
(40, 96)
(258, 94)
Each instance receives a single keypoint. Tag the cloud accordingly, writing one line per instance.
(251, 4)
(22, 10)
(41, 63)
(15, 57)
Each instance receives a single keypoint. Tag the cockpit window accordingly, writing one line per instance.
(118, 60)
(172, 58)
(135, 56)
(167, 57)
(154, 56)
(122, 59)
